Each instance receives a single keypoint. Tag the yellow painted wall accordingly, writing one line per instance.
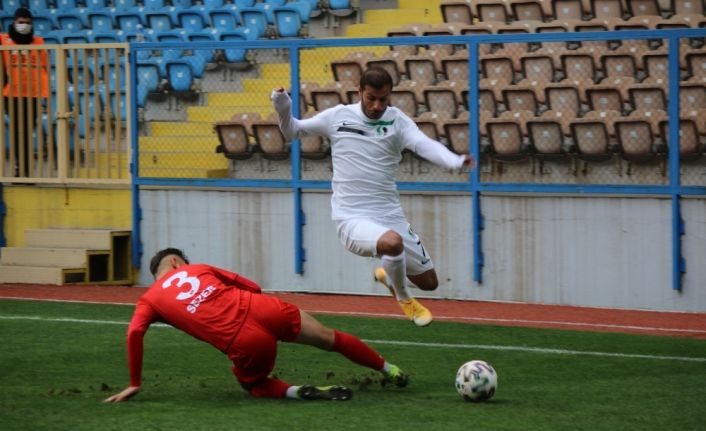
(55, 207)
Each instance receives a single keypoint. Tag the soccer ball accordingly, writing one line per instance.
(476, 381)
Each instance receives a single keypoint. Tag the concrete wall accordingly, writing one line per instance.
(604, 252)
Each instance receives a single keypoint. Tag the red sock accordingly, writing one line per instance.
(356, 351)
(269, 387)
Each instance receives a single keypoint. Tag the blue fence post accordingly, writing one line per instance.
(136, 237)
(474, 145)
(678, 261)
(299, 217)
(3, 211)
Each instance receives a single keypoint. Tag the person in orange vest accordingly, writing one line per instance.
(26, 79)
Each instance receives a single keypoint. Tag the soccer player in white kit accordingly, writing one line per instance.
(367, 140)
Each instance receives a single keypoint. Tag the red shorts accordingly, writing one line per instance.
(254, 349)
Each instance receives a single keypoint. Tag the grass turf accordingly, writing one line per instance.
(56, 372)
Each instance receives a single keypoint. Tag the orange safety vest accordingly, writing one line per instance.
(26, 70)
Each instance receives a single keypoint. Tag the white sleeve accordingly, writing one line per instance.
(429, 149)
(292, 127)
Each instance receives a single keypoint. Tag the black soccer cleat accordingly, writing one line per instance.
(335, 393)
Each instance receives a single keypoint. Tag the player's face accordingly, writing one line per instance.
(374, 102)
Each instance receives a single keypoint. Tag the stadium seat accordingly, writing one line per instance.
(180, 76)
(340, 8)
(269, 139)
(604, 98)
(124, 5)
(636, 143)
(591, 140)
(60, 4)
(101, 21)
(644, 8)
(607, 9)
(546, 140)
(538, 67)
(224, 19)
(405, 99)
(432, 124)
(69, 22)
(350, 69)
(568, 9)
(455, 67)
(457, 134)
(235, 55)
(234, 139)
(618, 65)
(520, 98)
(458, 11)
(147, 81)
(42, 25)
(506, 142)
(491, 11)
(254, 19)
(128, 21)
(692, 96)
(681, 7)
(647, 97)
(690, 147)
(327, 96)
(287, 20)
(159, 22)
(191, 20)
(528, 10)
(519, 117)
(154, 5)
(175, 36)
(486, 100)
(420, 68)
(208, 35)
(441, 98)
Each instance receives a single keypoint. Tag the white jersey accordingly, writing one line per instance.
(366, 154)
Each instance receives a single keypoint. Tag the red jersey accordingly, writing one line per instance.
(206, 302)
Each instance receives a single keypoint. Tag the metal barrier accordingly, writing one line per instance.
(66, 120)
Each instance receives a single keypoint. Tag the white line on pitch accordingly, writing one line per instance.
(412, 343)
(437, 317)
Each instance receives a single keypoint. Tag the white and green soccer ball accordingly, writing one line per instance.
(476, 381)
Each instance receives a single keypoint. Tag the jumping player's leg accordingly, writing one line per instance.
(370, 239)
(314, 333)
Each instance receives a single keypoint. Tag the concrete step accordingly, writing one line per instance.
(398, 17)
(182, 173)
(225, 113)
(41, 275)
(201, 144)
(50, 257)
(178, 160)
(180, 128)
(94, 239)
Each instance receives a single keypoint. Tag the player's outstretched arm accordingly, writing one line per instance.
(283, 105)
(123, 395)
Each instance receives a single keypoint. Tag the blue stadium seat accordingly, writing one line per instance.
(108, 37)
(101, 21)
(51, 39)
(224, 19)
(128, 21)
(154, 4)
(97, 5)
(207, 35)
(125, 4)
(171, 36)
(287, 21)
(179, 75)
(198, 60)
(159, 22)
(41, 25)
(267, 8)
(81, 77)
(111, 80)
(37, 5)
(11, 5)
(255, 20)
(147, 81)
(182, 4)
(69, 22)
(74, 37)
(235, 55)
(305, 9)
(244, 3)
(191, 20)
(213, 4)
(65, 4)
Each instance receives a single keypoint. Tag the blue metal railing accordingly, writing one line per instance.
(474, 186)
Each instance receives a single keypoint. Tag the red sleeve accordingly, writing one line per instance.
(241, 282)
(141, 320)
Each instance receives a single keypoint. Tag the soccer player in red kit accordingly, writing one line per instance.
(230, 312)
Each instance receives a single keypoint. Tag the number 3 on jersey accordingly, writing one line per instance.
(182, 278)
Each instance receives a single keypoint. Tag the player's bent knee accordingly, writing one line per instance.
(390, 243)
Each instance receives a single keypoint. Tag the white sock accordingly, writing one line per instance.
(396, 275)
(386, 367)
(292, 392)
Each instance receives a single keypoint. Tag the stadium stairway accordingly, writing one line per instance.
(60, 256)
(376, 22)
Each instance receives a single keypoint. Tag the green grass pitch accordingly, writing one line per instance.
(58, 361)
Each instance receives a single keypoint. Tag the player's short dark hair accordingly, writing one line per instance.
(375, 77)
(161, 254)
(22, 12)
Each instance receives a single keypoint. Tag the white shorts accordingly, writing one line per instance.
(360, 236)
